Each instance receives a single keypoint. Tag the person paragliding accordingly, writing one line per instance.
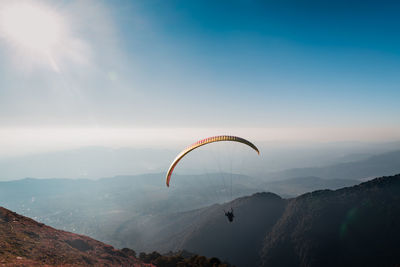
(203, 142)
(230, 215)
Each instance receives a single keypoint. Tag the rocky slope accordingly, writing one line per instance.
(25, 242)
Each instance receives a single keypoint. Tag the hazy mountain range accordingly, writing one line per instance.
(372, 166)
(96, 162)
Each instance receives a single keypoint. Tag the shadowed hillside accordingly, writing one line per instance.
(356, 226)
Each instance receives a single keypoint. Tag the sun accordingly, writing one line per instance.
(31, 27)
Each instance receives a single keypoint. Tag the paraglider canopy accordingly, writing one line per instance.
(204, 142)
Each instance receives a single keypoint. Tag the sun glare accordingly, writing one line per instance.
(34, 28)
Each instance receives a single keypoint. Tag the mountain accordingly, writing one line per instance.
(374, 166)
(99, 208)
(207, 231)
(25, 242)
(356, 226)
(353, 226)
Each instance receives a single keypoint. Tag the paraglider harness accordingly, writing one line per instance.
(230, 215)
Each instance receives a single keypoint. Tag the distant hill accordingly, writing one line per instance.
(25, 242)
(373, 166)
(300, 185)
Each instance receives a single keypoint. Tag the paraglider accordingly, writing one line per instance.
(204, 142)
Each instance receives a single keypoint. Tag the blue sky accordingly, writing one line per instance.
(269, 63)
(206, 64)
(306, 64)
